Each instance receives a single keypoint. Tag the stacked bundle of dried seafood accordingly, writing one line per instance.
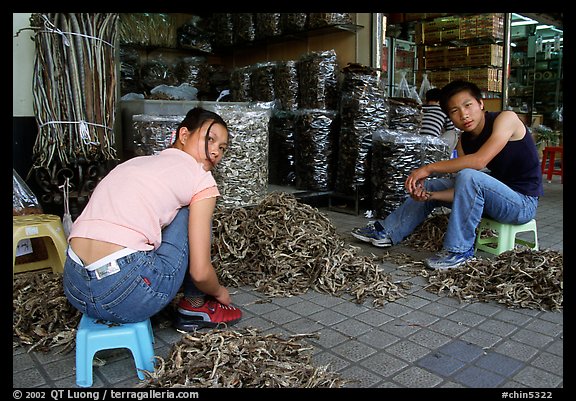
(520, 278)
(284, 247)
(318, 75)
(286, 85)
(315, 148)
(363, 110)
(240, 84)
(262, 82)
(281, 163)
(395, 153)
(242, 175)
(242, 358)
(42, 316)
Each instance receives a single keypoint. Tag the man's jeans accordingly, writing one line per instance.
(476, 194)
(146, 283)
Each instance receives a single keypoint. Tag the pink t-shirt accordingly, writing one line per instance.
(139, 197)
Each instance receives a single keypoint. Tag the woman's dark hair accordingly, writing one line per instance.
(455, 87)
(433, 95)
(198, 116)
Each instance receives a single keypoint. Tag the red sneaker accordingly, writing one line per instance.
(211, 314)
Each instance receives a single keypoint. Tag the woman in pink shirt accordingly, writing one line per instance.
(146, 230)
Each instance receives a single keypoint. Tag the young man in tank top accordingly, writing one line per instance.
(497, 141)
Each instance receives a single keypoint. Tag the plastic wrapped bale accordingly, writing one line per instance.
(281, 163)
(219, 79)
(315, 148)
(293, 22)
(195, 34)
(319, 20)
(240, 84)
(153, 134)
(318, 80)
(363, 110)
(405, 114)
(157, 72)
(244, 27)
(194, 71)
(129, 70)
(262, 82)
(395, 154)
(286, 85)
(242, 175)
(222, 25)
(268, 25)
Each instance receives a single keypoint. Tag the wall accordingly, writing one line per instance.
(22, 66)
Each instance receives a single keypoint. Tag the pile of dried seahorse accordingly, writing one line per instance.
(42, 316)
(521, 278)
(283, 247)
(240, 358)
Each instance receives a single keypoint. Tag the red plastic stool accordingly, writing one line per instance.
(549, 154)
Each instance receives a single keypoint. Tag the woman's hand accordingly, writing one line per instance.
(223, 296)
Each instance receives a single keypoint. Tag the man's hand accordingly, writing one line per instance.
(420, 194)
(415, 183)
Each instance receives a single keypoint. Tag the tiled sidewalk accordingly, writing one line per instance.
(420, 341)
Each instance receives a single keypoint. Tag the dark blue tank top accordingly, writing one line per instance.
(517, 165)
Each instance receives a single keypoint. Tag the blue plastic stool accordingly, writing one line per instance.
(94, 335)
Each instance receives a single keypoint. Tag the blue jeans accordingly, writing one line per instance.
(146, 283)
(476, 194)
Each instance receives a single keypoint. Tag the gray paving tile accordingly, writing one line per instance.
(449, 328)
(513, 316)
(463, 316)
(384, 364)
(481, 338)
(532, 338)
(378, 339)
(415, 377)
(441, 364)
(334, 362)
(549, 328)
(280, 316)
(549, 362)
(429, 338)
(374, 317)
(28, 378)
(537, 378)
(327, 317)
(437, 309)
(329, 338)
(362, 378)
(476, 377)
(352, 327)
(500, 364)
(556, 348)
(407, 350)
(498, 327)
(516, 350)
(306, 308)
(353, 350)
(461, 350)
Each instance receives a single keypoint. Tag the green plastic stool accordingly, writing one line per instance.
(505, 239)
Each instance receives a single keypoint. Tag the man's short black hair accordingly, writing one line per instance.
(455, 87)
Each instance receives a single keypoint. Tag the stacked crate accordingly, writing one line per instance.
(462, 47)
